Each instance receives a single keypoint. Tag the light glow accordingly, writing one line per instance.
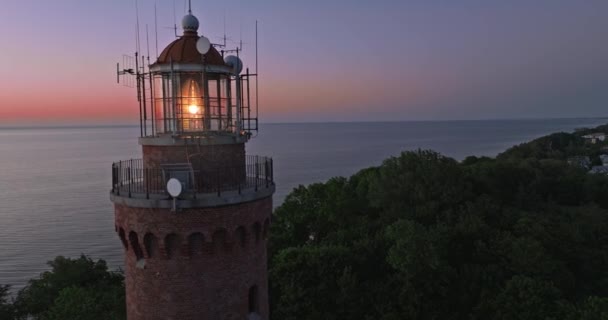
(193, 109)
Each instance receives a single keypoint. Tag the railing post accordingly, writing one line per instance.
(113, 178)
(119, 174)
(130, 176)
(195, 182)
(217, 172)
(266, 172)
(146, 182)
(257, 173)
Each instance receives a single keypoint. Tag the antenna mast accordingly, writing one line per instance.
(224, 26)
(148, 40)
(174, 20)
(257, 74)
(156, 28)
(136, 27)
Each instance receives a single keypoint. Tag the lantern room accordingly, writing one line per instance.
(194, 90)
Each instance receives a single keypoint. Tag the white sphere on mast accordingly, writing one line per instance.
(190, 23)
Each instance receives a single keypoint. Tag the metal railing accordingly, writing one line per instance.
(130, 178)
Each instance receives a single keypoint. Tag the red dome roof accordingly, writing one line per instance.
(183, 50)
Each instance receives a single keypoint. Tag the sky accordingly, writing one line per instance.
(331, 60)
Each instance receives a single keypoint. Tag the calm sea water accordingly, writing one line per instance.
(54, 182)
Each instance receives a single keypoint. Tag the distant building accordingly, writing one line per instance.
(599, 170)
(580, 162)
(595, 137)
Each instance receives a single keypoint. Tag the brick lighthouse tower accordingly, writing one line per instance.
(193, 214)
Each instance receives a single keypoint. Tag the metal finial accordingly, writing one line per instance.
(190, 6)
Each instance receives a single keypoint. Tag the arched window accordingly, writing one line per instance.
(151, 245)
(123, 238)
(135, 245)
(257, 231)
(266, 229)
(195, 244)
(254, 304)
(241, 236)
(219, 239)
(171, 245)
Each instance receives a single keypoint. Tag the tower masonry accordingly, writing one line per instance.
(193, 214)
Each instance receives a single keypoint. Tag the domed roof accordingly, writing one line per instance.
(183, 50)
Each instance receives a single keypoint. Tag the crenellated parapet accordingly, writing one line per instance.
(194, 245)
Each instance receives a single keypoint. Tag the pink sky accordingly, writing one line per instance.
(323, 60)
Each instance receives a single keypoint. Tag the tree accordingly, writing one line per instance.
(78, 303)
(74, 289)
(521, 236)
(7, 311)
(526, 298)
(593, 308)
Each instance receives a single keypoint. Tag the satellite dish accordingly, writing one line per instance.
(235, 63)
(174, 187)
(203, 45)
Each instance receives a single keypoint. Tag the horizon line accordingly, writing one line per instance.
(76, 125)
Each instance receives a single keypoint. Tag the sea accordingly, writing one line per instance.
(55, 181)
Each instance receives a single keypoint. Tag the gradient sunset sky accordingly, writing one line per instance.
(332, 60)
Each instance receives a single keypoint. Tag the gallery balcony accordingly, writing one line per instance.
(134, 184)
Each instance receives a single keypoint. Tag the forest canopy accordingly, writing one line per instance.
(423, 236)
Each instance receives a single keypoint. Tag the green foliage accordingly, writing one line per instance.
(79, 303)
(522, 236)
(7, 311)
(555, 146)
(525, 298)
(73, 289)
(593, 308)
(328, 273)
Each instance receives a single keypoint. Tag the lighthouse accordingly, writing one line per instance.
(193, 214)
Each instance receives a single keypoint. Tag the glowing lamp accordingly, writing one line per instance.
(193, 109)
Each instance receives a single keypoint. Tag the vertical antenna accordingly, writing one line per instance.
(148, 40)
(256, 46)
(137, 71)
(156, 29)
(257, 75)
(189, 6)
(137, 26)
(174, 19)
(152, 102)
(241, 36)
(224, 26)
(143, 93)
(141, 127)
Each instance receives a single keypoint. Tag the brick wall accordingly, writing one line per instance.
(207, 155)
(214, 165)
(195, 263)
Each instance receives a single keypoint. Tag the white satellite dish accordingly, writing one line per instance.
(174, 187)
(203, 45)
(235, 63)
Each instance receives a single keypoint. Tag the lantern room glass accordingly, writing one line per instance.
(191, 103)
